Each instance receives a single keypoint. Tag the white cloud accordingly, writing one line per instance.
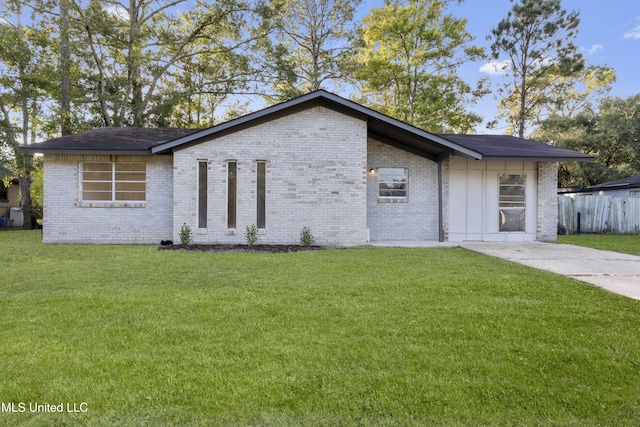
(633, 34)
(593, 49)
(495, 68)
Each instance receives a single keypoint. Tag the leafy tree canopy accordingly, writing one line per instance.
(409, 54)
(610, 133)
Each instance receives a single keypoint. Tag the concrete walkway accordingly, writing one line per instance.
(613, 271)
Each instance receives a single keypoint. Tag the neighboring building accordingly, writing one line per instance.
(627, 187)
(9, 199)
(349, 173)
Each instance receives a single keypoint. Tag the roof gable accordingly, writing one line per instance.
(381, 127)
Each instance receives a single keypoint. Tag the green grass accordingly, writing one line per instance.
(356, 337)
(609, 242)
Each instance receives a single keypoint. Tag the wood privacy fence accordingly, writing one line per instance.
(600, 214)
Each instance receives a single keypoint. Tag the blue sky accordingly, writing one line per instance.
(609, 34)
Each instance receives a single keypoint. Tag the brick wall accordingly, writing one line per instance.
(69, 220)
(415, 218)
(315, 177)
(547, 223)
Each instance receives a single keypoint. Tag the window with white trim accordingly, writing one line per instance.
(114, 181)
(512, 202)
(393, 183)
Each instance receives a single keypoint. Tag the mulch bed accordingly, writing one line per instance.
(239, 248)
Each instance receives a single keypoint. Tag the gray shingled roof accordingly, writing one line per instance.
(631, 182)
(511, 147)
(379, 126)
(109, 140)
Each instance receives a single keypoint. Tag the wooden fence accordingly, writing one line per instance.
(600, 214)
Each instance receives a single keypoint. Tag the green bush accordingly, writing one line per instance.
(186, 236)
(251, 234)
(306, 237)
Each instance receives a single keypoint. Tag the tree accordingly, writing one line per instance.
(408, 60)
(140, 59)
(65, 71)
(312, 45)
(611, 134)
(25, 86)
(536, 37)
(572, 94)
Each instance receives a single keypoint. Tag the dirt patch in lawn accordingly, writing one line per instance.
(239, 248)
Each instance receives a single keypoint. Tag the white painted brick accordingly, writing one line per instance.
(415, 219)
(316, 177)
(547, 221)
(67, 221)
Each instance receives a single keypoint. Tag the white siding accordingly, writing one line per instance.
(473, 200)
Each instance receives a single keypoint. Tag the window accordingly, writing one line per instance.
(512, 198)
(114, 181)
(261, 175)
(202, 194)
(232, 181)
(392, 182)
(4, 192)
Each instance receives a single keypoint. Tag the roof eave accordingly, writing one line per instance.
(75, 151)
(539, 159)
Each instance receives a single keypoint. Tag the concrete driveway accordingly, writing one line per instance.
(613, 271)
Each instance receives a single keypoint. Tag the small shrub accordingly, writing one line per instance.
(306, 237)
(251, 234)
(186, 236)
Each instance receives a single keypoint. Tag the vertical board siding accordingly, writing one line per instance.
(600, 214)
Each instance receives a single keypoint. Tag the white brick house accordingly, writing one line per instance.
(347, 172)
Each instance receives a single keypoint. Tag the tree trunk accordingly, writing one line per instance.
(134, 71)
(25, 193)
(65, 83)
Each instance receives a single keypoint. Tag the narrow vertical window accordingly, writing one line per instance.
(261, 172)
(202, 194)
(232, 181)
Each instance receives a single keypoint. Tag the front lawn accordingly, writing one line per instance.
(363, 336)
(609, 242)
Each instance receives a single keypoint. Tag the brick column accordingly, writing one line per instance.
(547, 218)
